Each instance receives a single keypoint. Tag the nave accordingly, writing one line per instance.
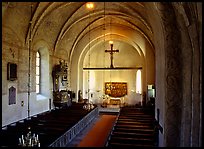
(132, 126)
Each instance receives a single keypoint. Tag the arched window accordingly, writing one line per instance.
(42, 74)
(138, 82)
(38, 68)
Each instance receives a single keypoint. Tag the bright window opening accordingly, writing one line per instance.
(138, 82)
(38, 73)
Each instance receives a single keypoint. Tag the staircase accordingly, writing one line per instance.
(134, 127)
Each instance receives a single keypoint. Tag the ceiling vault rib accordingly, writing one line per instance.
(75, 41)
(31, 19)
(60, 35)
(36, 24)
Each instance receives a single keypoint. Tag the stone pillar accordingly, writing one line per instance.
(173, 91)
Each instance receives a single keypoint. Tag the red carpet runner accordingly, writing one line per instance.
(98, 135)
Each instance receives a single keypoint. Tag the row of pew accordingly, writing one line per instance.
(49, 125)
(134, 127)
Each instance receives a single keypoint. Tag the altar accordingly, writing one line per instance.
(115, 101)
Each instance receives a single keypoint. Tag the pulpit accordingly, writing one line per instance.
(61, 96)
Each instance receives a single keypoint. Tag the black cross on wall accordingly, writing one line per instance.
(111, 54)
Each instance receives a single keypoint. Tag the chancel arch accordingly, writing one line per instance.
(140, 44)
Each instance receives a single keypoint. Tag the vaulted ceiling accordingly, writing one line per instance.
(66, 26)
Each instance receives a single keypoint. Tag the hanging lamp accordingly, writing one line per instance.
(29, 59)
(89, 6)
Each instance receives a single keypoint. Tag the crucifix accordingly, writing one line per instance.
(111, 53)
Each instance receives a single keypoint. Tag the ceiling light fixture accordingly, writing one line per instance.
(89, 5)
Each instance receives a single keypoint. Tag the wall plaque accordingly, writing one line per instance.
(12, 95)
(11, 71)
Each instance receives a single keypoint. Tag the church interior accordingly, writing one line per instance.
(137, 65)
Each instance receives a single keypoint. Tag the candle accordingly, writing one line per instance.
(22, 141)
(39, 144)
(37, 137)
(19, 140)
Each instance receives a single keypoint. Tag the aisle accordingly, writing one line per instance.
(98, 134)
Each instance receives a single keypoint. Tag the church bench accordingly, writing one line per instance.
(53, 126)
(7, 136)
(64, 139)
(15, 130)
(63, 116)
(60, 118)
(120, 121)
(126, 145)
(128, 126)
(132, 111)
(56, 126)
(53, 133)
(133, 130)
(139, 122)
(48, 126)
(55, 121)
(136, 115)
(136, 120)
(133, 135)
(46, 139)
(131, 140)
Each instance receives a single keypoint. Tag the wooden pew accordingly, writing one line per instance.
(132, 140)
(49, 125)
(133, 128)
